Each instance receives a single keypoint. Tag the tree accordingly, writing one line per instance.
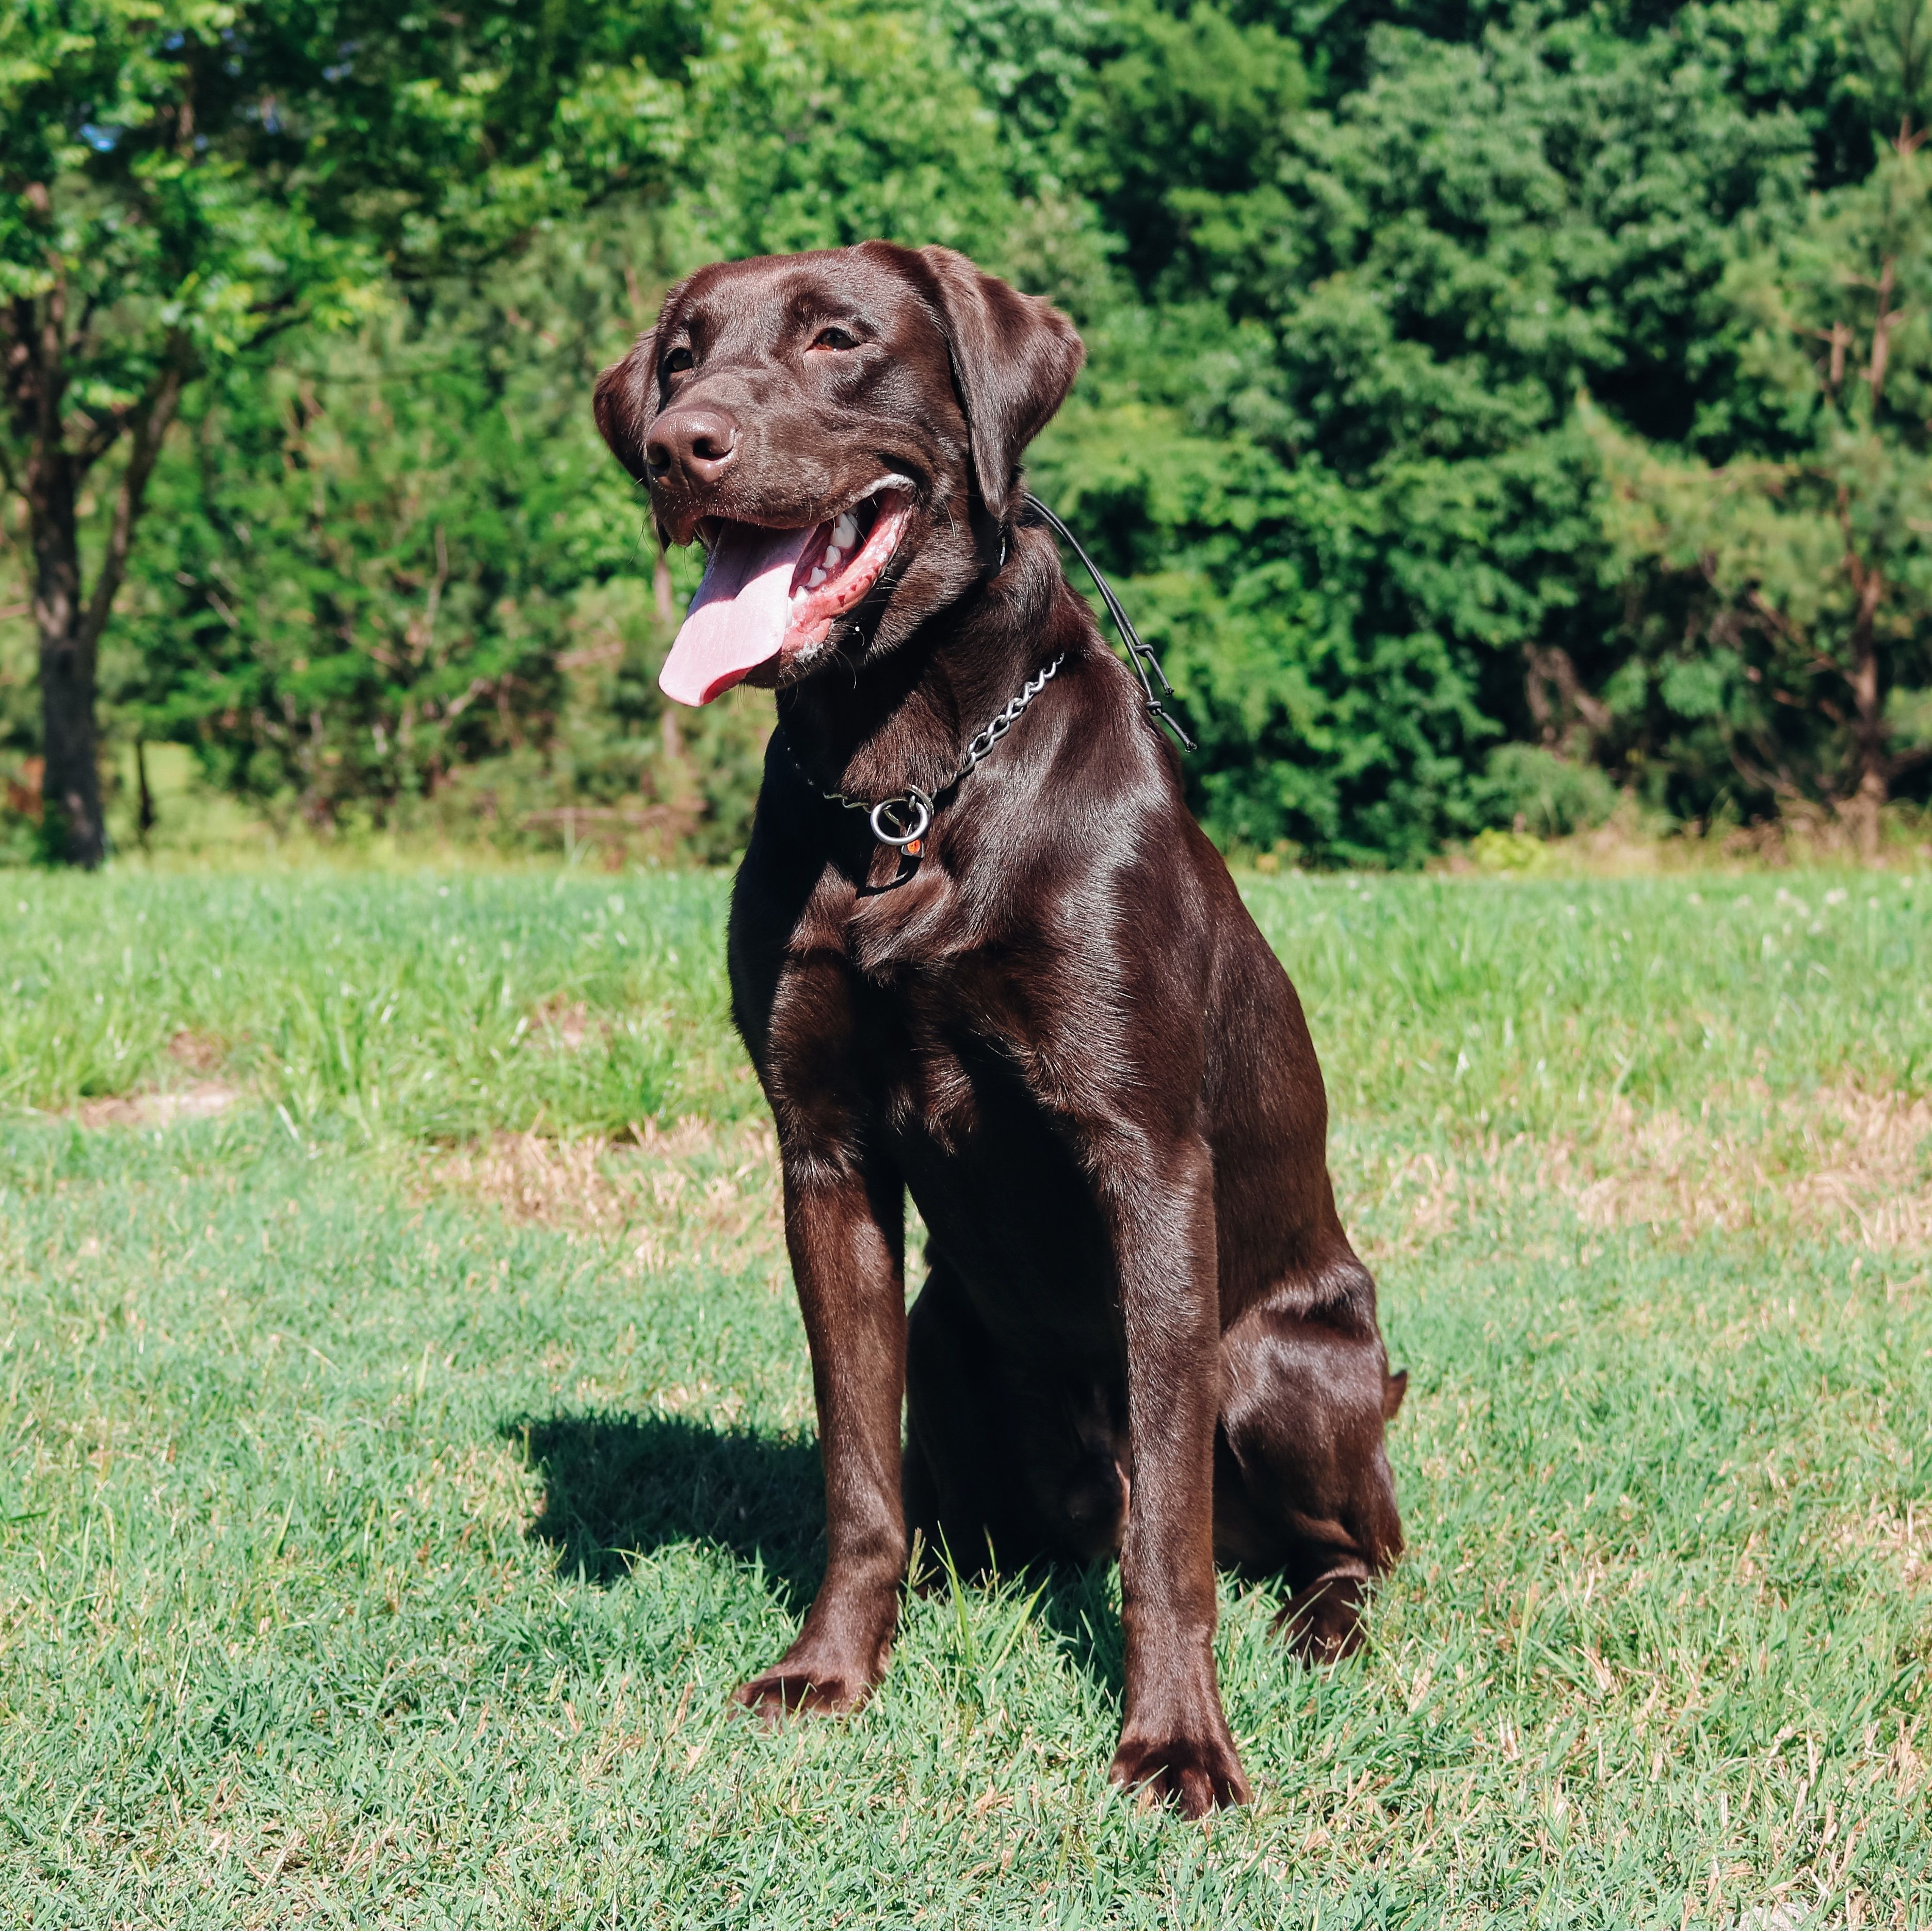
(1341, 289)
(389, 568)
(1350, 485)
(1798, 583)
(181, 186)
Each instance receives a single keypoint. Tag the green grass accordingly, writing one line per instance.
(370, 1554)
(426, 1006)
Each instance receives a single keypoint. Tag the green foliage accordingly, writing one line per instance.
(358, 580)
(1528, 786)
(1177, 136)
(1343, 280)
(380, 568)
(188, 186)
(180, 189)
(177, 232)
(1790, 596)
(1373, 515)
(817, 126)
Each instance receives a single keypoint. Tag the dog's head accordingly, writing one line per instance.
(841, 429)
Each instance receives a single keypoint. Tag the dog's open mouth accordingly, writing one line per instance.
(769, 593)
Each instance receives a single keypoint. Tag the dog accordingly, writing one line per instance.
(981, 953)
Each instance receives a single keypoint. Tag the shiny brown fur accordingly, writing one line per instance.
(1143, 1329)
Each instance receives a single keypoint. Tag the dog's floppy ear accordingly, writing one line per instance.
(627, 400)
(1394, 1386)
(1014, 359)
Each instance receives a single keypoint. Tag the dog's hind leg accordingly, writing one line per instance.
(1001, 1466)
(1302, 1485)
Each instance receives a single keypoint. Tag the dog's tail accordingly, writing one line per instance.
(1394, 1386)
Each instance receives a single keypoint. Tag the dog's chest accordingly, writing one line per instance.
(942, 1019)
(941, 1048)
(931, 1013)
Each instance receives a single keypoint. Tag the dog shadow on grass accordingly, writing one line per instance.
(617, 1486)
(1078, 1611)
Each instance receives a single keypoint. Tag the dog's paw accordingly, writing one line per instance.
(1197, 1774)
(1323, 1622)
(780, 1691)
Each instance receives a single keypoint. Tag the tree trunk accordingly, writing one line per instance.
(1868, 734)
(145, 823)
(71, 627)
(70, 789)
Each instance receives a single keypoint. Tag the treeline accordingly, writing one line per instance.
(1491, 409)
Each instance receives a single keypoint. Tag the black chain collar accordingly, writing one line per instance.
(903, 821)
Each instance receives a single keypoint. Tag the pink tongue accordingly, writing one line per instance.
(737, 620)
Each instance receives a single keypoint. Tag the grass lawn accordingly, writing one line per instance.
(406, 1437)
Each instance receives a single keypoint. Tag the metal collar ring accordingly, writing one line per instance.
(903, 821)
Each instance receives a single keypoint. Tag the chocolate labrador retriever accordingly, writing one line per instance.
(981, 953)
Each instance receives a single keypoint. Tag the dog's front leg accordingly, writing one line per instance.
(1175, 1739)
(846, 1229)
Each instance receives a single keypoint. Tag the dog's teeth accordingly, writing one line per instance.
(833, 555)
(845, 531)
(816, 578)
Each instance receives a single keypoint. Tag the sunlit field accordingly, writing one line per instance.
(405, 1436)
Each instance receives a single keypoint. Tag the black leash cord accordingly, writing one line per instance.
(1144, 660)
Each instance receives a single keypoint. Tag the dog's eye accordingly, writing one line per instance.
(833, 338)
(677, 362)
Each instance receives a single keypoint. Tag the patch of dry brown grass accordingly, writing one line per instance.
(200, 1099)
(562, 1025)
(1628, 846)
(1902, 1536)
(199, 1052)
(1842, 1163)
(694, 1189)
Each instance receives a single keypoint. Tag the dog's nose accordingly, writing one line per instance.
(701, 442)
